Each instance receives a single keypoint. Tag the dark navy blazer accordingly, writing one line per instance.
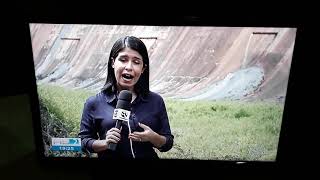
(97, 120)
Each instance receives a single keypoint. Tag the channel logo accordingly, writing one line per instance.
(66, 144)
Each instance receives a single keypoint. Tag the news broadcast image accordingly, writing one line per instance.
(224, 87)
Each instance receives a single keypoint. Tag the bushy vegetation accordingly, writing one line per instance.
(223, 130)
(60, 111)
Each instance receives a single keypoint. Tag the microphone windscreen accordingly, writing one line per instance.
(124, 100)
(125, 95)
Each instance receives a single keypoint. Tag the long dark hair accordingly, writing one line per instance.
(142, 86)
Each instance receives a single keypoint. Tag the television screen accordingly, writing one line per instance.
(223, 89)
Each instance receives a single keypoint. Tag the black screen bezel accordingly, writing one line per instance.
(284, 154)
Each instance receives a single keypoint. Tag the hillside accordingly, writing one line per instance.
(185, 62)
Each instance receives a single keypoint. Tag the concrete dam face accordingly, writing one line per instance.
(186, 62)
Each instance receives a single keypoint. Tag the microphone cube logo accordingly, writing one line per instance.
(121, 114)
(124, 115)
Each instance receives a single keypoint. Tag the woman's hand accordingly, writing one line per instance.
(113, 136)
(143, 136)
(148, 135)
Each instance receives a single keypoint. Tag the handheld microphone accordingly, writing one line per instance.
(121, 112)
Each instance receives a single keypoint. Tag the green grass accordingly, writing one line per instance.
(224, 130)
(65, 104)
(202, 129)
(60, 110)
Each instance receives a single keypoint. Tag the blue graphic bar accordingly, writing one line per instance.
(66, 148)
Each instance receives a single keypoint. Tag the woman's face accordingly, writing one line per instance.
(128, 67)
